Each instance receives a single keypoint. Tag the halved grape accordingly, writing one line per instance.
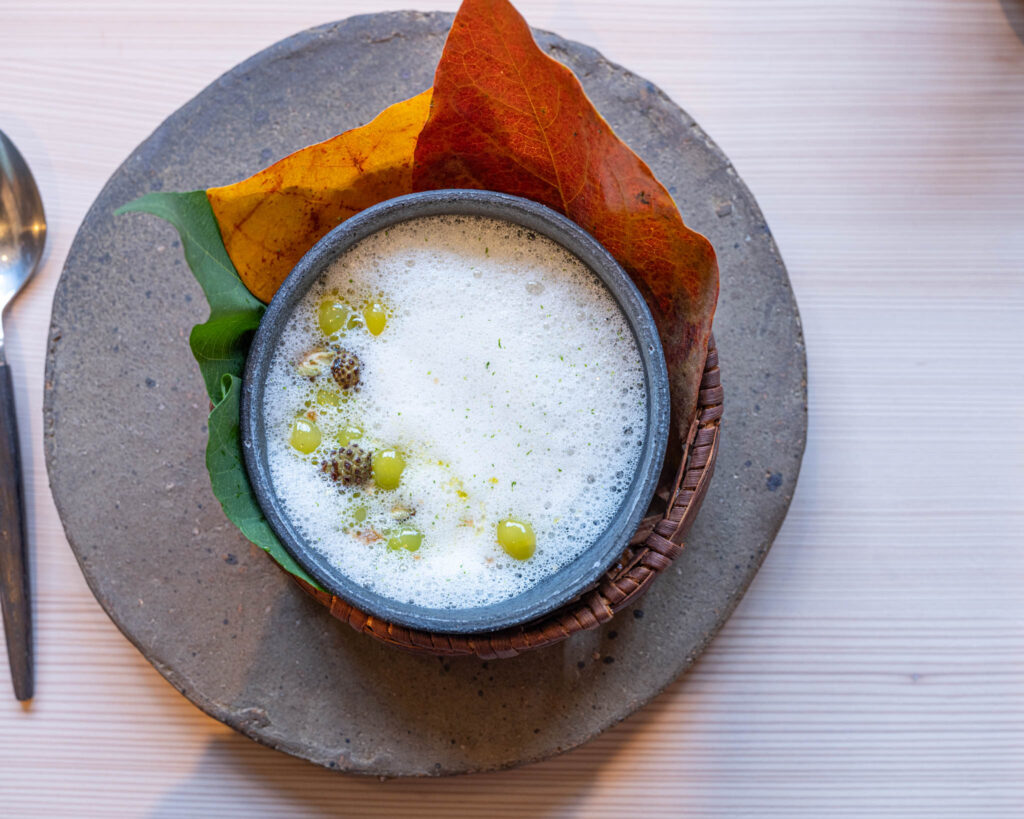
(405, 537)
(516, 537)
(304, 435)
(376, 318)
(332, 315)
(349, 433)
(387, 468)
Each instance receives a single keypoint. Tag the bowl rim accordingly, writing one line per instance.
(573, 578)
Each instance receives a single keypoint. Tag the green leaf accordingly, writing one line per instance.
(224, 462)
(220, 345)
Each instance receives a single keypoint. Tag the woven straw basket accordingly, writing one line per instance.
(658, 540)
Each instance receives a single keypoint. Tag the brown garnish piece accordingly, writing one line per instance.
(349, 466)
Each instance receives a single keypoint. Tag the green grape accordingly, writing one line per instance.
(405, 537)
(359, 514)
(375, 317)
(332, 315)
(349, 433)
(517, 538)
(305, 435)
(387, 468)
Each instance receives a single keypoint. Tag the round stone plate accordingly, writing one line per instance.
(125, 431)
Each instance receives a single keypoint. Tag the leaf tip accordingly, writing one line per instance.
(133, 206)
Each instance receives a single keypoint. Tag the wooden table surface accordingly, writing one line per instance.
(876, 666)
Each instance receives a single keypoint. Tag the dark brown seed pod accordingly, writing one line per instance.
(345, 369)
(349, 466)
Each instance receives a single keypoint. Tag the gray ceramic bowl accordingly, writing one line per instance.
(573, 578)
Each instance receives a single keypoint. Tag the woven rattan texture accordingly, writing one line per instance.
(657, 542)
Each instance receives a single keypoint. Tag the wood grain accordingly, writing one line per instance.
(876, 667)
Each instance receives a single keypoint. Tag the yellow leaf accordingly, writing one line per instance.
(271, 219)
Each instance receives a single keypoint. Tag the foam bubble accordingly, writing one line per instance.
(506, 375)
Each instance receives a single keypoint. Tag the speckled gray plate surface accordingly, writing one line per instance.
(125, 428)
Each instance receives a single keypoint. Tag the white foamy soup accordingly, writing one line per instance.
(455, 410)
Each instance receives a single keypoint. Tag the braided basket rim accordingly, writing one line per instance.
(657, 542)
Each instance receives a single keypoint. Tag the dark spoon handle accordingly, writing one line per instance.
(15, 598)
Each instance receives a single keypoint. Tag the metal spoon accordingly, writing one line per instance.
(22, 237)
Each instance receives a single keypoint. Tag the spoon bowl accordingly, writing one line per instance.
(22, 223)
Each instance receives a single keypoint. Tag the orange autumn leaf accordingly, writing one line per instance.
(271, 219)
(507, 117)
